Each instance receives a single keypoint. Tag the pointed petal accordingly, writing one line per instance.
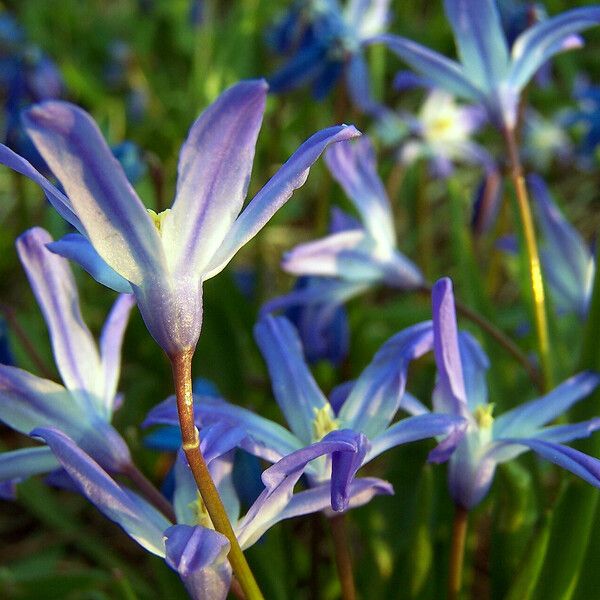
(214, 170)
(445, 73)
(526, 418)
(367, 17)
(295, 389)
(358, 83)
(79, 249)
(20, 464)
(353, 165)
(139, 520)
(450, 394)
(199, 555)
(60, 202)
(480, 39)
(475, 365)
(567, 433)
(577, 462)
(54, 287)
(276, 193)
(115, 220)
(417, 428)
(545, 39)
(111, 341)
(378, 392)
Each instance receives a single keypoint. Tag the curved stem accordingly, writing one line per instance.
(457, 551)
(499, 336)
(182, 375)
(343, 559)
(147, 489)
(533, 258)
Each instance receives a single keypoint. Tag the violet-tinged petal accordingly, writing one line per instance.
(367, 17)
(545, 39)
(8, 490)
(354, 167)
(450, 393)
(528, 417)
(344, 466)
(358, 83)
(214, 170)
(126, 509)
(23, 463)
(199, 555)
(295, 389)
(567, 433)
(111, 341)
(60, 202)
(475, 365)
(445, 73)
(412, 405)
(79, 249)
(114, 218)
(219, 438)
(276, 192)
(480, 39)
(53, 284)
(577, 462)
(378, 392)
(417, 428)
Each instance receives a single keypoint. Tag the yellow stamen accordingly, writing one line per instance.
(324, 422)
(201, 513)
(158, 218)
(483, 415)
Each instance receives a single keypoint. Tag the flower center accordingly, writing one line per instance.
(324, 422)
(158, 218)
(201, 513)
(483, 415)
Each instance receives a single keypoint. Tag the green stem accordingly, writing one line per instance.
(343, 559)
(533, 258)
(182, 376)
(457, 552)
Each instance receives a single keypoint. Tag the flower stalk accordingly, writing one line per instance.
(181, 364)
(343, 559)
(457, 552)
(532, 254)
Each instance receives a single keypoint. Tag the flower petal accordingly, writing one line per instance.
(276, 193)
(115, 220)
(111, 341)
(52, 282)
(526, 418)
(79, 249)
(199, 555)
(354, 167)
(140, 520)
(60, 202)
(214, 170)
(480, 39)
(445, 73)
(378, 392)
(23, 463)
(545, 39)
(450, 395)
(567, 433)
(416, 428)
(295, 389)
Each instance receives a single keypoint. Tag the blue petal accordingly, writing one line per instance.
(475, 364)
(78, 248)
(358, 83)
(567, 433)
(199, 555)
(53, 284)
(417, 428)
(276, 192)
(377, 394)
(303, 67)
(481, 42)
(526, 418)
(140, 520)
(295, 389)
(20, 464)
(114, 218)
(445, 73)
(545, 39)
(214, 170)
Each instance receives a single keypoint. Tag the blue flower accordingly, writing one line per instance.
(326, 42)
(350, 429)
(191, 546)
(461, 390)
(131, 159)
(569, 264)
(488, 72)
(84, 406)
(363, 254)
(164, 259)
